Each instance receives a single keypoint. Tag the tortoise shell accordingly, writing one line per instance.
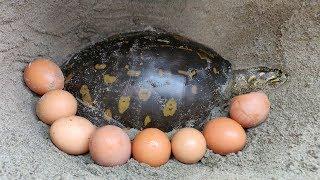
(148, 79)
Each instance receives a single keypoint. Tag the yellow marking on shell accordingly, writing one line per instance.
(133, 73)
(109, 79)
(124, 103)
(69, 66)
(100, 66)
(185, 48)
(204, 55)
(163, 40)
(161, 72)
(166, 45)
(144, 94)
(170, 108)
(194, 89)
(190, 74)
(179, 37)
(107, 114)
(85, 94)
(147, 120)
(215, 70)
(183, 72)
(68, 78)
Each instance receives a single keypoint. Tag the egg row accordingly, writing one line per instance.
(110, 145)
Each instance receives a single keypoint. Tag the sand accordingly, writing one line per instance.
(274, 33)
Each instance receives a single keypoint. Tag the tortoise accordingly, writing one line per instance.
(157, 79)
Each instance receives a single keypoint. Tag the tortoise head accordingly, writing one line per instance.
(257, 78)
(262, 76)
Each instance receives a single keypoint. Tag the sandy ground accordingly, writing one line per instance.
(276, 33)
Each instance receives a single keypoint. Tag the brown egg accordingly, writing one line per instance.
(71, 134)
(110, 146)
(43, 75)
(224, 135)
(188, 145)
(251, 109)
(151, 146)
(54, 105)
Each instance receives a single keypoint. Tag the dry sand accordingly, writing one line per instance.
(276, 33)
